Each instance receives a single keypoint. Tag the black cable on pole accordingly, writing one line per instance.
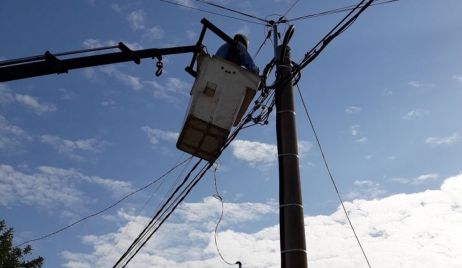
(211, 12)
(232, 10)
(331, 176)
(106, 208)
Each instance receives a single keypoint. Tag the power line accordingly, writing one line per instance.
(106, 208)
(344, 24)
(176, 198)
(290, 8)
(210, 12)
(233, 10)
(331, 176)
(337, 10)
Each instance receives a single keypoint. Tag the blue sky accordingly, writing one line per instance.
(385, 98)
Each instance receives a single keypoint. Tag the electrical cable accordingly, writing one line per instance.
(331, 176)
(164, 213)
(210, 12)
(232, 10)
(290, 8)
(344, 24)
(334, 11)
(262, 44)
(106, 208)
(161, 183)
(142, 234)
(220, 198)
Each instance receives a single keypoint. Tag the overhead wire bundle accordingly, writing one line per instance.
(196, 173)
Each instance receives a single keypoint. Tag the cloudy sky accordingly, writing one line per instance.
(384, 96)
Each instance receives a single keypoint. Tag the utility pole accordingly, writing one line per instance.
(291, 221)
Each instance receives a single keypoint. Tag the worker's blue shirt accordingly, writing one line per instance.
(240, 57)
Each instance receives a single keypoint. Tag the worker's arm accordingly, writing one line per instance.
(246, 59)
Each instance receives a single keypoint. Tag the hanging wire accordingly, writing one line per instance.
(211, 12)
(334, 11)
(331, 176)
(220, 198)
(232, 10)
(180, 193)
(106, 208)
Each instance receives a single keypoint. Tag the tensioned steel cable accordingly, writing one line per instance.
(331, 176)
(106, 208)
(211, 12)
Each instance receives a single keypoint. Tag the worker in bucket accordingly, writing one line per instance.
(239, 56)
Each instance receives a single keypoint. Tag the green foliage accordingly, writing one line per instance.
(14, 257)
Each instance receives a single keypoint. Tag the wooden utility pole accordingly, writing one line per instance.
(291, 222)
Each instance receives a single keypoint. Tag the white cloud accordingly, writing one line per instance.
(403, 230)
(51, 187)
(361, 140)
(413, 83)
(188, 3)
(136, 19)
(72, 148)
(444, 140)
(131, 81)
(6, 96)
(417, 180)
(354, 130)
(425, 178)
(190, 35)
(254, 152)
(154, 33)
(417, 84)
(457, 77)
(170, 89)
(107, 103)
(116, 8)
(413, 114)
(366, 189)
(11, 137)
(262, 154)
(34, 104)
(353, 109)
(96, 43)
(157, 135)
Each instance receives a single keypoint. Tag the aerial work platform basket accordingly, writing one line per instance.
(220, 96)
